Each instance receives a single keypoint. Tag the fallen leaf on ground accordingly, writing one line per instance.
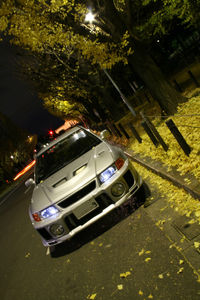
(196, 244)
(120, 286)
(192, 221)
(181, 262)
(124, 275)
(180, 270)
(141, 252)
(163, 208)
(140, 293)
(182, 240)
(92, 297)
(150, 296)
(147, 259)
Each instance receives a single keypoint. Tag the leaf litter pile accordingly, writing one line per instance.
(187, 119)
(188, 114)
(177, 198)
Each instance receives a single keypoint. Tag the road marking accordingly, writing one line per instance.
(27, 190)
(48, 251)
(4, 200)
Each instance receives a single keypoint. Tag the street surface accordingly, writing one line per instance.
(124, 256)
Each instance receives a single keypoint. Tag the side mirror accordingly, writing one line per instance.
(29, 182)
(104, 134)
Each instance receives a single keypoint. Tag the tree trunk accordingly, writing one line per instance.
(162, 91)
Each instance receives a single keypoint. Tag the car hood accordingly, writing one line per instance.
(65, 182)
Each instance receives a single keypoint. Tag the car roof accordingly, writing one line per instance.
(59, 138)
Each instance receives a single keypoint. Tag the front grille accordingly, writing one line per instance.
(78, 195)
(103, 200)
(129, 178)
(44, 233)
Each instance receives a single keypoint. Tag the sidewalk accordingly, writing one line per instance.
(182, 234)
(173, 175)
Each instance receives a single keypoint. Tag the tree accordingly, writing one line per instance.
(120, 33)
(66, 91)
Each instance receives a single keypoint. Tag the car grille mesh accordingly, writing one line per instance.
(78, 195)
(103, 200)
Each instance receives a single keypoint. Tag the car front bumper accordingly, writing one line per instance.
(106, 202)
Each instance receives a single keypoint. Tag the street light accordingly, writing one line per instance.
(90, 18)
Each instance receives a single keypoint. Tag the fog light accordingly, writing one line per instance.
(117, 189)
(56, 229)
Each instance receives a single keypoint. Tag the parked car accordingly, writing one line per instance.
(79, 177)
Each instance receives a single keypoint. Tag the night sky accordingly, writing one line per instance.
(18, 102)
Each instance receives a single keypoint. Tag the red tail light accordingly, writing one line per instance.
(119, 163)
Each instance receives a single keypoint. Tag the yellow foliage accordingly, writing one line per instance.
(32, 28)
(177, 198)
(186, 116)
(3, 23)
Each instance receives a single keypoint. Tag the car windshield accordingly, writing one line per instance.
(63, 153)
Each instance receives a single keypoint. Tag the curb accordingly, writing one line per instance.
(194, 193)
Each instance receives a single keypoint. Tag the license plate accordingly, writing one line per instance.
(85, 208)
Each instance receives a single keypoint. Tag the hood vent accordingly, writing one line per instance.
(79, 170)
(60, 182)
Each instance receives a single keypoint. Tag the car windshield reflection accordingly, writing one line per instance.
(63, 153)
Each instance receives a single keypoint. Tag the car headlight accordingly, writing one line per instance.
(45, 213)
(107, 174)
(110, 171)
(48, 212)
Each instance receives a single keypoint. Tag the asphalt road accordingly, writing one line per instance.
(124, 256)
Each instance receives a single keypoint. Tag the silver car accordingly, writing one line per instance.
(78, 178)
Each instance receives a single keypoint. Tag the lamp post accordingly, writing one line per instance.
(90, 17)
(125, 100)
